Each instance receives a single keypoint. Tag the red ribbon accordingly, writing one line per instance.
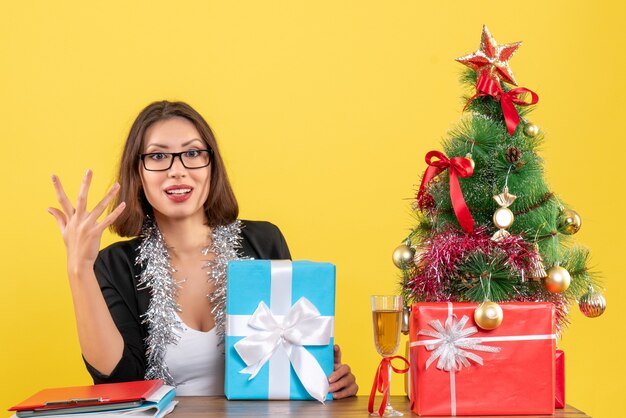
(459, 166)
(487, 86)
(381, 382)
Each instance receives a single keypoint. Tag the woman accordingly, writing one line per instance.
(153, 306)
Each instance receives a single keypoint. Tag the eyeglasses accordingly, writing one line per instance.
(163, 161)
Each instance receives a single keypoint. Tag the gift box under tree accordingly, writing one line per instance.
(559, 378)
(460, 369)
(279, 329)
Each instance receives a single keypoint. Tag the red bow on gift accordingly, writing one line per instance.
(381, 382)
(459, 166)
(487, 86)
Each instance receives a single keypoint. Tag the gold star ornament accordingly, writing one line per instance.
(492, 60)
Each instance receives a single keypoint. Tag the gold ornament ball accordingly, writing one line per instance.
(569, 222)
(592, 304)
(503, 218)
(488, 315)
(403, 256)
(531, 130)
(558, 280)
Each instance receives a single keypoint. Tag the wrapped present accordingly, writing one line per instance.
(559, 366)
(460, 369)
(279, 329)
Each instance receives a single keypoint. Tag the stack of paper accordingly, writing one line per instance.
(150, 398)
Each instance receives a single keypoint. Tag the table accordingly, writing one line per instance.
(201, 406)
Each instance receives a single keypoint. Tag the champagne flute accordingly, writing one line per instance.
(387, 321)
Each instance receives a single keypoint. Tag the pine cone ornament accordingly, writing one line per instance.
(513, 155)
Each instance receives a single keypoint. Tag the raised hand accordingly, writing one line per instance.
(80, 228)
(100, 340)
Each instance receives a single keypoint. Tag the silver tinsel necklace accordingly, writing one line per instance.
(156, 276)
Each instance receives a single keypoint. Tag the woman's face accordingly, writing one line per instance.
(178, 193)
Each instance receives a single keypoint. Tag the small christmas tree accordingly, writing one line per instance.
(488, 226)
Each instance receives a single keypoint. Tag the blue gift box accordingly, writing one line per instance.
(282, 286)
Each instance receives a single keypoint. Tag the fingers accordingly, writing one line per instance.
(81, 202)
(111, 217)
(347, 392)
(342, 382)
(59, 216)
(340, 371)
(337, 355)
(102, 205)
(65, 203)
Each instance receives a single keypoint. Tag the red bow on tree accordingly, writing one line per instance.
(381, 382)
(486, 86)
(459, 166)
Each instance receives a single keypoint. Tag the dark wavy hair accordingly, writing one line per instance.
(221, 206)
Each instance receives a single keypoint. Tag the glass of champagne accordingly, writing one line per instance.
(387, 321)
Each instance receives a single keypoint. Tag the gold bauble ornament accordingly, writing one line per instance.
(488, 315)
(406, 320)
(592, 304)
(469, 158)
(503, 218)
(569, 222)
(531, 130)
(403, 256)
(558, 280)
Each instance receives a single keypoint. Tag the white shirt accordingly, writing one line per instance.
(196, 362)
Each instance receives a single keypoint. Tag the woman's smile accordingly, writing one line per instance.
(179, 192)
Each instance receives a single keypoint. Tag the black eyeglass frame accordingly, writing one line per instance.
(174, 155)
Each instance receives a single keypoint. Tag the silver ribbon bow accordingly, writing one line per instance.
(303, 325)
(451, 342)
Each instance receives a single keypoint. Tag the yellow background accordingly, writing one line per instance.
(324, 111)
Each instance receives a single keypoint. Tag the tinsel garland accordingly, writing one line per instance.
(156, 276)
(447, 248)
(225, 245)
(443, 252)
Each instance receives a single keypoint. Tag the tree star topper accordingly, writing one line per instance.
(492, 59)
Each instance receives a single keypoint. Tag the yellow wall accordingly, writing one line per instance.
(324, 111)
